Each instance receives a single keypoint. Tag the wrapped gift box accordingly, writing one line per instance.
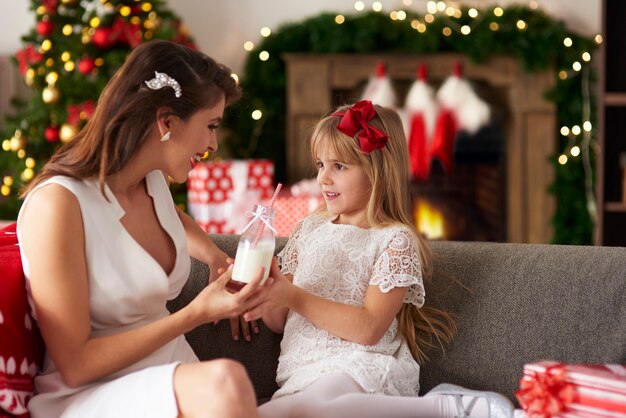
(552, 389)
(220, 193)
(289, 209)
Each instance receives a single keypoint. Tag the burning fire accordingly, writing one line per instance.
(429, 220)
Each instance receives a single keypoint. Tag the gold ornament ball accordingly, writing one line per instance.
(50, 95)
(67, 132)
(17, 143)
(29, 77)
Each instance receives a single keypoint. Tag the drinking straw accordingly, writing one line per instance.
(258, 234)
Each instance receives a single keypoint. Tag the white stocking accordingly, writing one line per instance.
(339, 396)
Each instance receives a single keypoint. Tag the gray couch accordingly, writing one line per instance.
(516, 303)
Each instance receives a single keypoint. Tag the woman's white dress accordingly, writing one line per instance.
(127, 289)
(339, 262)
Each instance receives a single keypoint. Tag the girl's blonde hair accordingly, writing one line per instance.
(390, 204)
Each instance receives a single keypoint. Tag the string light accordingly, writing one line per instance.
(264, 55)
(563, 159)
(564, 131)
(377, 6)
(568, 42)
(359, 5)
(265, 32)
(339, 19)
(248, 46)
(498, 11)
(575, 151)
(521, 25)
(257, 114)
(465, 30)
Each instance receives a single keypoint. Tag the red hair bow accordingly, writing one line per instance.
(355, 120)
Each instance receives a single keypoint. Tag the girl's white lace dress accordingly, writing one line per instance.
(339, 262)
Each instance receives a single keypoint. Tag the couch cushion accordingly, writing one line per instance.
(520, 303)
(21, 347)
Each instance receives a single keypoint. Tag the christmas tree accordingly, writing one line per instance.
(67, 59)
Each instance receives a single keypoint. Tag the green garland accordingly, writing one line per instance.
(538, 46)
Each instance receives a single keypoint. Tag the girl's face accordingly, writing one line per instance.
(193, 138)
(345, 187)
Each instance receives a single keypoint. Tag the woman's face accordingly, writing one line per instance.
(191, 139)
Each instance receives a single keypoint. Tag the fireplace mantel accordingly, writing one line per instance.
(530, 128)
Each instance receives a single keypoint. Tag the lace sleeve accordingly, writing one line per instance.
(399, 266)
(288, 257)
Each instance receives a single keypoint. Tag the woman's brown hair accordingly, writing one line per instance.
(127, 108)
(390, 204)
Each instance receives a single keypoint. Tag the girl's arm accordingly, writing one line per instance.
(364, 325)
(52, 238)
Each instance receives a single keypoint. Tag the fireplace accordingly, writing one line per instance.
(498, 189)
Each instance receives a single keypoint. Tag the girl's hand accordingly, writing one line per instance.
(279, 294)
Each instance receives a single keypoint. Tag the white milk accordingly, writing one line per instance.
(248, 260)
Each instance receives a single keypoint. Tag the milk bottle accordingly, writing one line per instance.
(255, 248)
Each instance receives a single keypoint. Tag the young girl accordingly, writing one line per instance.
(350, 295)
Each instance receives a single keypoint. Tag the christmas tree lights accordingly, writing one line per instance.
(66, 59)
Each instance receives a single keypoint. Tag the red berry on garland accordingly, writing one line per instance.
(103, 38)
(52, 134)
(45, 27)
(86, 65)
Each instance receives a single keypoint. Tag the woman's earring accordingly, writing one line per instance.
(166, 136)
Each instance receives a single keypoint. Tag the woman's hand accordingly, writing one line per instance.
(238, 323)
(215, 302)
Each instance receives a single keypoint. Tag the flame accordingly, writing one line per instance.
(429, 220)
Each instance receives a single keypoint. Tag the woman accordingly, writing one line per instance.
(104, 247)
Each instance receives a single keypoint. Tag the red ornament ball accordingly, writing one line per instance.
(103, 38)
(44, 27)
(52, 134)
(86, 65)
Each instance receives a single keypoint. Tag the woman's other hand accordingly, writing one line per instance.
(238, 325)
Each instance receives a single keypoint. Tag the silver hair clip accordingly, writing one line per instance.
(161, 80)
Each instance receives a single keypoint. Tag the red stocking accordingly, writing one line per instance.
(419, 156)
(443, 140)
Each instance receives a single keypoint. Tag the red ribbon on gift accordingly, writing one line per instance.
(544, 395)
(355, 120)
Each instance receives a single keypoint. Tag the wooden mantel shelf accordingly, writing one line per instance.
(615, 206)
